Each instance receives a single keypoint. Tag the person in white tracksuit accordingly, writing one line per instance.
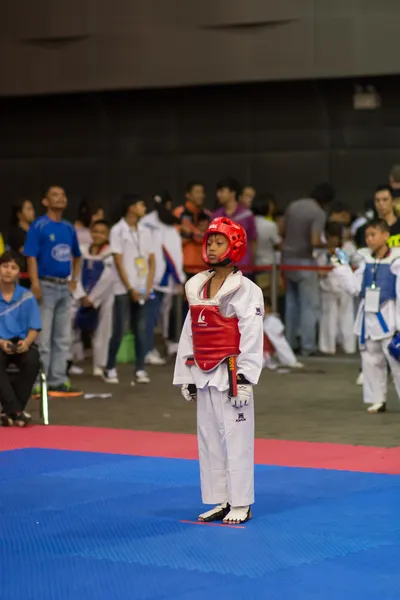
(94, 295)
(377, 282)
(219, 360)
(337, 305)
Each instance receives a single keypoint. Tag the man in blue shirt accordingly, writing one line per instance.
(19, 326)
(53, 256)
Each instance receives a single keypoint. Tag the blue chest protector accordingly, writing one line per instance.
(92, 270)
(86, 318)
(380, 275)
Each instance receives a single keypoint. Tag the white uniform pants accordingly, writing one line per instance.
(375, 373)
(226, 449)
(102, 335)
(274, 329)
(337, 319)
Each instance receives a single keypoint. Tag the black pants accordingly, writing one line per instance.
(15, 389)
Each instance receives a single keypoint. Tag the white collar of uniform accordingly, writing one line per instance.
(196, 284)
(126, 228)
(392, 256)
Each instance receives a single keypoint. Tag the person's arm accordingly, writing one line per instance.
(31, 251)
(76, 263)
(24, 345)
(119, 265)
(104, 286)
(32, 319)
(182, 373)
(150, 274)
(317, 227)
(249, 309)
(34, 277)
(344, 278)
(117, 250)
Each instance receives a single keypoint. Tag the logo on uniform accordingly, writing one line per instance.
(258, 312)
(240, 418)
(61, 253)
(52, 237)
(201, 319)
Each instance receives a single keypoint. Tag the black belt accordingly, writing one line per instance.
(56, 280)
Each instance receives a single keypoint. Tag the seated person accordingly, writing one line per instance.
(19, 326)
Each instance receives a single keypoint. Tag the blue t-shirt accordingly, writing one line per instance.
(53, 244)
(19, 315)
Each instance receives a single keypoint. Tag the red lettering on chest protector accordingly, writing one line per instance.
(215, 337)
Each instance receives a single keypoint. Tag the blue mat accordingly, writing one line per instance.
(82, 526)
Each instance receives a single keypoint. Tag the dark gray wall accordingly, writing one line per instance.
(51, 46)
(281, 137)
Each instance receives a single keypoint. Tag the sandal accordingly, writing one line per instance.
(238, 515)
(21, 420)
(217, 513)
(6, 420)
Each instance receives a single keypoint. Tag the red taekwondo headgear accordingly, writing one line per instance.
(235, 235)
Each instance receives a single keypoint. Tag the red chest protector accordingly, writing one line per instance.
(215, 337)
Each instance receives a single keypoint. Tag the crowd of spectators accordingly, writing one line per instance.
(94, 280)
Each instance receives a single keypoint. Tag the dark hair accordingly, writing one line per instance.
(384, 188)
(48, 188)
(16, 208)
(323, 193)
(378, 224)
(262, 204)
(191, 185)
(11, 256)
(161, 198)
(203, 216)
(334, 229)
(231, 184)
(102, 222)
(87, 208)
(129, 200)
(338, 207)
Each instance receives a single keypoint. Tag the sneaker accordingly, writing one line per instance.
(154, 358)
(110, 376)
(378, 407)
(297, 365)
(142, 377)
(360, 379)
(172, 348)
(75, 370)
(98, 371)
(64, 391)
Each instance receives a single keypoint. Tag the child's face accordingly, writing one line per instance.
(9, 272)
(332, 242)
(100, 235)
(376, 238)
(217, 245)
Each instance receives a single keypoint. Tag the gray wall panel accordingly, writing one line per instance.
(58, 46)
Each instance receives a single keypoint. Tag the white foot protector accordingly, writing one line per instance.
(214, 512)
(378, 407)
(238, 514)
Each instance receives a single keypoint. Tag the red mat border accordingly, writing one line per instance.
(340, 457)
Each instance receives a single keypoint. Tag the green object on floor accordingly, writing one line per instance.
(126, 352)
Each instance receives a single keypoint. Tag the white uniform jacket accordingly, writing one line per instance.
(238, 297)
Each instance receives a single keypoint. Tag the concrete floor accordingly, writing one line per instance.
(321, 403)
